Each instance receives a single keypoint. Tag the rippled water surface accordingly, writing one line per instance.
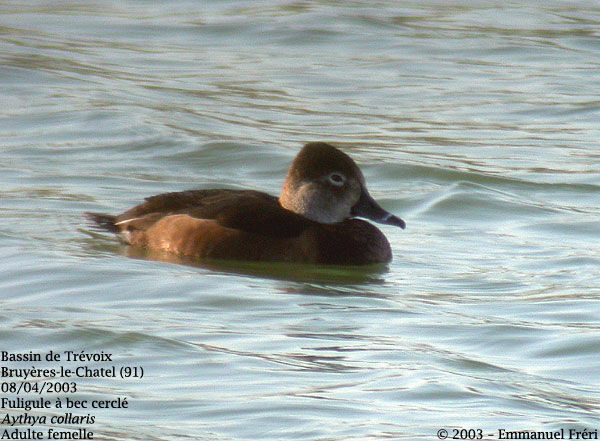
(477, 122)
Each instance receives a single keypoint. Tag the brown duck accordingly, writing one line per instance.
(313, 220)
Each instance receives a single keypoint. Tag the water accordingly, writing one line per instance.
(476, 122)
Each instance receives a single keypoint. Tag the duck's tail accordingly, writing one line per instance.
(103, 221)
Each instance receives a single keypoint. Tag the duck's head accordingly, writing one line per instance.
(326, 186)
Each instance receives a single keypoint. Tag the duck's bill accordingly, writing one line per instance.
(368, 208)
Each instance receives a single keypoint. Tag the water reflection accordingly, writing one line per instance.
(306, 273)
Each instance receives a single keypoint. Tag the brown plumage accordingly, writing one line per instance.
(301, 226)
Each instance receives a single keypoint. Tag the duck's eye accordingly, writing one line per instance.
(336, 179)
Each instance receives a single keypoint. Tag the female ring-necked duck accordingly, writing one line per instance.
(312, 221)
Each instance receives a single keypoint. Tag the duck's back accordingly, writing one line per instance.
(247, 210)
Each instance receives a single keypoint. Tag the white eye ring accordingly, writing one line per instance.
(336, 179)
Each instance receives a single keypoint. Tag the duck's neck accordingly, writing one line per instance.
(307, 201)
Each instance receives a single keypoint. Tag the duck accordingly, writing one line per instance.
(315, 220)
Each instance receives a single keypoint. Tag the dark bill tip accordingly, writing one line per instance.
(390, 219)
(368, 208)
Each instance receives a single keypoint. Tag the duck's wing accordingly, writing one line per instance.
(203, 202)
(246, 210)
